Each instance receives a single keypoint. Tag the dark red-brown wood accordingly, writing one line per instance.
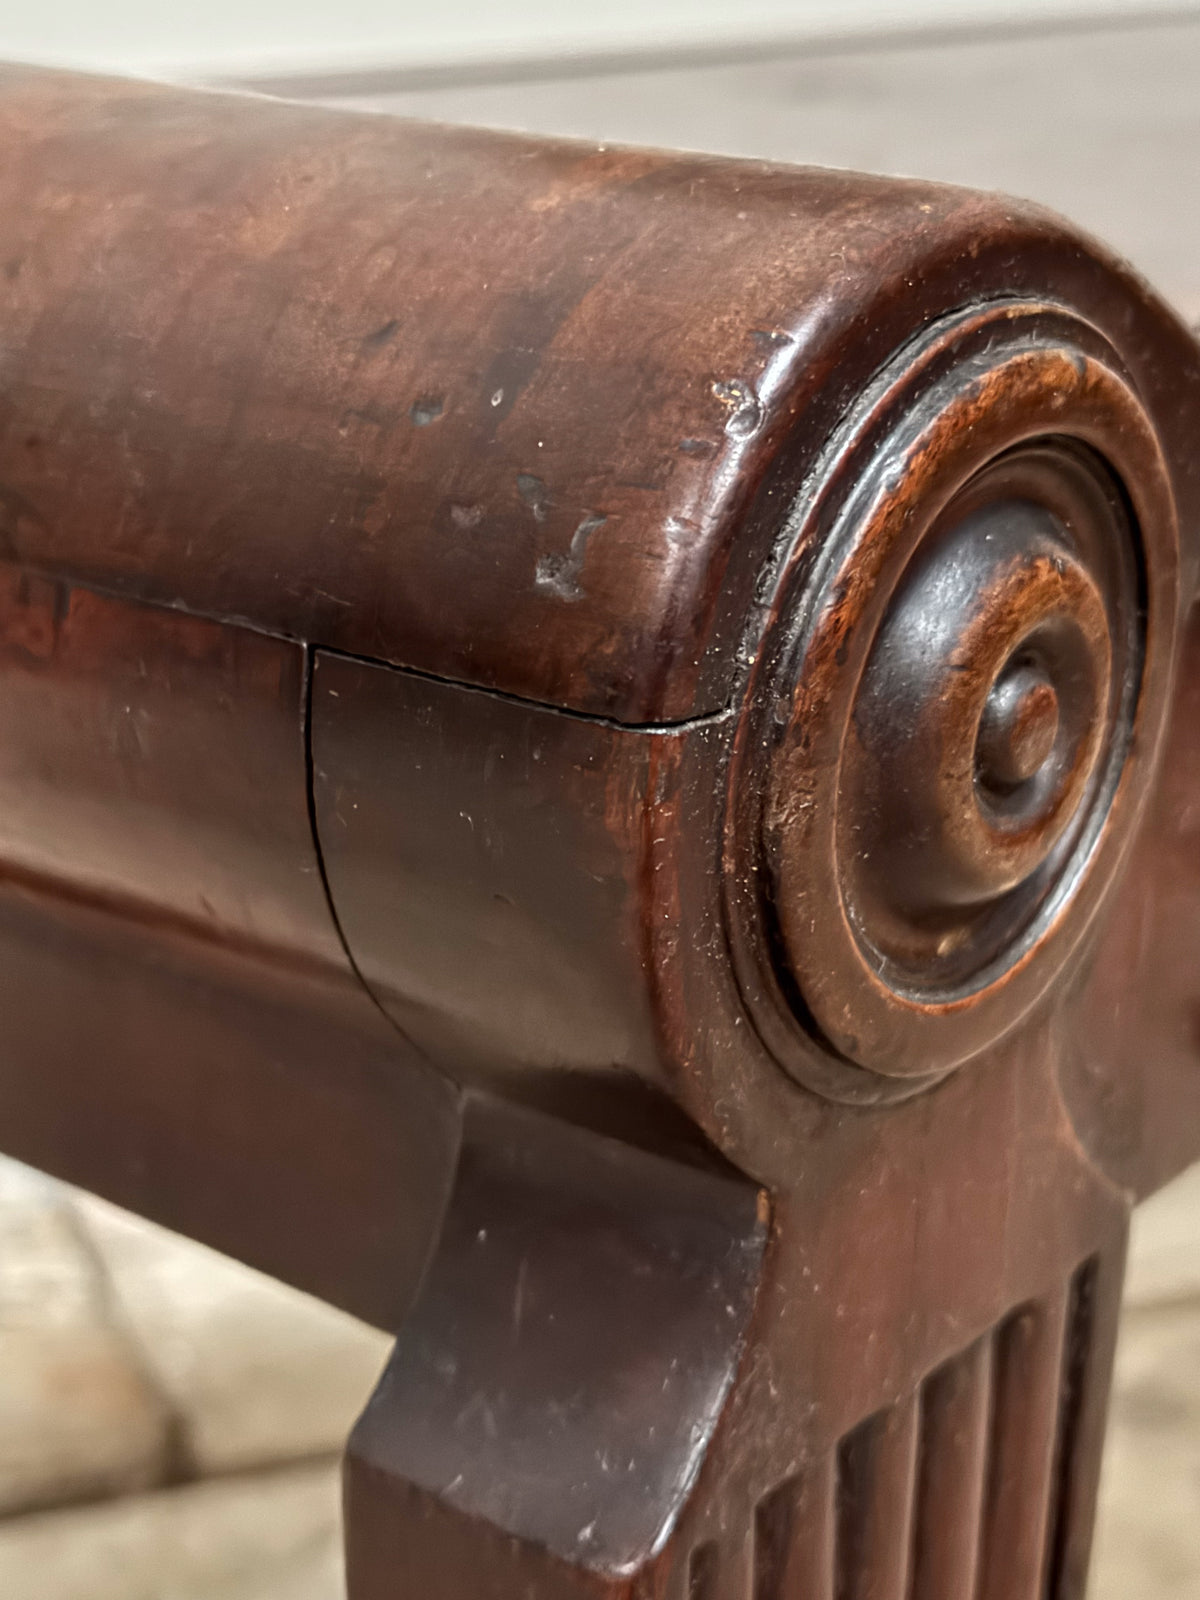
(598, 757)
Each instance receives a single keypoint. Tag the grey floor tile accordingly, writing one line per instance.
(79, 1415)
(256, 1372)
(1103, 125)
(271, 1537)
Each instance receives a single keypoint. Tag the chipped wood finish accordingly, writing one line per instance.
(598, 765)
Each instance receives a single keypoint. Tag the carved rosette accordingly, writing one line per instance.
(955, 703)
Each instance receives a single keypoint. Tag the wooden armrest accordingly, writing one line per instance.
(596, 765)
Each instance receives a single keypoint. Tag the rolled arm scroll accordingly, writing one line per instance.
(583, 722)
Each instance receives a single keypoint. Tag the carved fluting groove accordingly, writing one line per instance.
(955, 1490)
(955, 705)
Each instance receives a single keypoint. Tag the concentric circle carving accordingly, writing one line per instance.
(955, 703)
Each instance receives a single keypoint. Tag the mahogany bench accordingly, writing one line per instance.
(599, 757)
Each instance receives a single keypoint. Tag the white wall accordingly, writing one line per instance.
(243, 37)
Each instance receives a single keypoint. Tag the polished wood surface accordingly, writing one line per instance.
(598, 767)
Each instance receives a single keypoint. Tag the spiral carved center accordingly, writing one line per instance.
(978, 725)
(1018, 728)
